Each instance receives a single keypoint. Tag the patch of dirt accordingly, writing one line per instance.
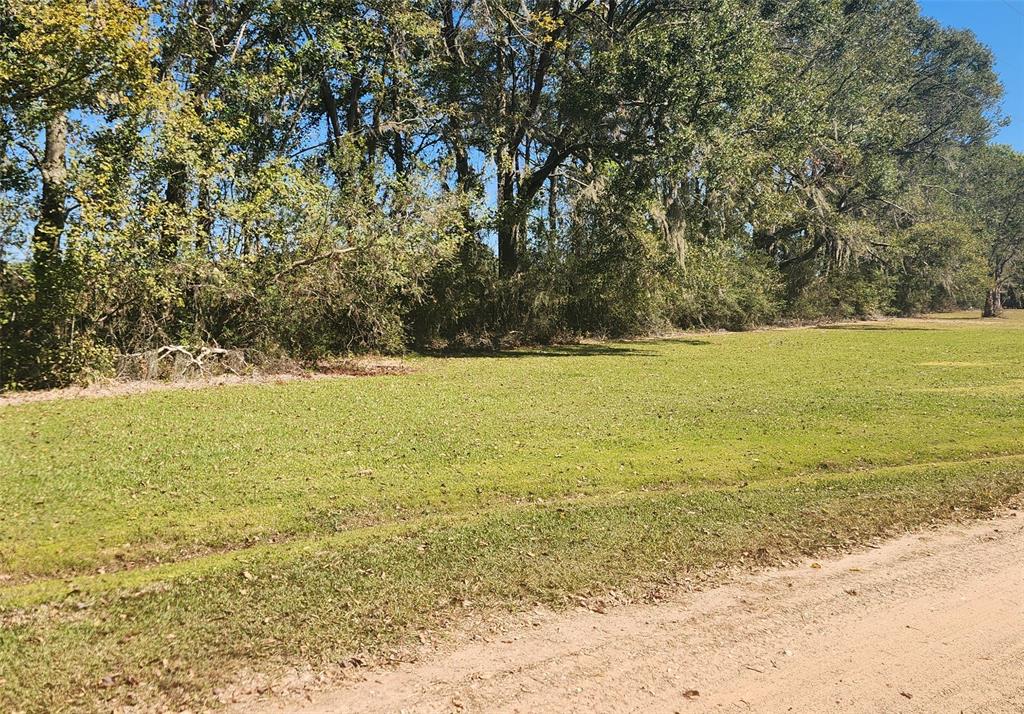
(354, 367)
(932, 621)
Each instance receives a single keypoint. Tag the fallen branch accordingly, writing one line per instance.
(177, 361)
(311, 260)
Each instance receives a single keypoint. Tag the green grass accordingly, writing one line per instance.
(152, 546)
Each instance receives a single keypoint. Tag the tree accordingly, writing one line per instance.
(314, 176)
(878, 88)
(64, 60)
(994, 191)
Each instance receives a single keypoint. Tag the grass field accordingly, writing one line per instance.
(153, 546)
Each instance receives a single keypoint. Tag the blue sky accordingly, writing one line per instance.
(1000, 25)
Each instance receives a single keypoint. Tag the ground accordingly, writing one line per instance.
(173, 548)
(927, 623)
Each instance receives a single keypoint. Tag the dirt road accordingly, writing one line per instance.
(932, 622)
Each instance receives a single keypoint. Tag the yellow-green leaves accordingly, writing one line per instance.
(73, 54)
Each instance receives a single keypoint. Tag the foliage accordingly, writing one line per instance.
(311, 178)
(943, 267)
(993, 193)
(724, 289)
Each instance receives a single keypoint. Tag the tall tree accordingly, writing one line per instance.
(994, 192)
(64, 58)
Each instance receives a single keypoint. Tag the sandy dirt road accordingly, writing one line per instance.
(931, 622)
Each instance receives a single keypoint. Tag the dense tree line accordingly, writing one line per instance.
(320, 176)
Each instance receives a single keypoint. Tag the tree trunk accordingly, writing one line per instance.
(177, 195)
(553, 206)
(399, 154)
(464, 179)
(674, 227)
(509, 237)
(509, 221)
(204, 241)
(354, 112)
(52, 211)
(508, 259)
(334, 130)
(993, 303)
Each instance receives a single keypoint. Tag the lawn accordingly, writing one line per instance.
(153, 546)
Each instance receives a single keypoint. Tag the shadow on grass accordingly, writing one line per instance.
(876, 328)
(586, 350)
(577, 350)
(682, 341)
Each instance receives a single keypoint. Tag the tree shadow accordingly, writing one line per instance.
(581, 350)
(876, 328)
(586, 349)
(683, 341)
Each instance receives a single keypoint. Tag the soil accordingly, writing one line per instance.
(932, 621)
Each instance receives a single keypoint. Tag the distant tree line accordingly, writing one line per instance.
(307, 177)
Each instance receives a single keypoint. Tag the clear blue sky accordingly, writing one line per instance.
(1000, 25)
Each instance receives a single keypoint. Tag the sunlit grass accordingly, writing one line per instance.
(307, 520)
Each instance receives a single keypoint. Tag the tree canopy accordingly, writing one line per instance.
(304, 177)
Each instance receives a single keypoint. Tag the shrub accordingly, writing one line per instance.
(726, 288)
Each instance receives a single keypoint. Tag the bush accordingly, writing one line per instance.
(943, 268)
(729, 289)
(855, 291)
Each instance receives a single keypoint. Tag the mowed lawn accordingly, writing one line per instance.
(154, 546)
